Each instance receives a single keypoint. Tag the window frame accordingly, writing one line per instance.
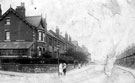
(7, 35)
(39, 35)
(43, 36)
(8, 21)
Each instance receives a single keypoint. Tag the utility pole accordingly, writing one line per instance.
(58, 58)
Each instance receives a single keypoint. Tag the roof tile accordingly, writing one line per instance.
(15, 45)
(34, 20)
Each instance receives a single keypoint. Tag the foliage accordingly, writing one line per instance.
(34, 54)
(76, 55)
(127, 58)
(130, 50)
(46, 54)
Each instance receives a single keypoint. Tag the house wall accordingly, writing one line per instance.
(18, 29)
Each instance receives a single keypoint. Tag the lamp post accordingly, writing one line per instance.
(58, 57)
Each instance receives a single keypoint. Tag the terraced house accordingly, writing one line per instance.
(56, 41)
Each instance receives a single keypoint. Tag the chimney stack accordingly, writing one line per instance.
(57, 30)
(69, 39)
(21, 9)
(22, 4)
(66, 36)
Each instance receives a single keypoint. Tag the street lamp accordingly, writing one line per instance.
(58, 46)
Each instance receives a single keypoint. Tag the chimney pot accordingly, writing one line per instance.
(66, 36)
(21, 9)
(69, 39)
(22, 4)
(57, 30)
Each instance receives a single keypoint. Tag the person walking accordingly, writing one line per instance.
(79, 65)
(60, 69)
(64, 68)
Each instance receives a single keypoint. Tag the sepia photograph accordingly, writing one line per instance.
(67, 41)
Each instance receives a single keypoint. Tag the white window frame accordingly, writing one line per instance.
(7, 34)
(39, 35)
(8, 21)
(40, 51)
(43, 36)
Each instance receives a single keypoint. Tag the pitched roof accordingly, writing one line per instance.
(15, 13)
(52, 35)
(15, 45)
(34, 20)
(56, 35)
(75, 43)
(61, 38)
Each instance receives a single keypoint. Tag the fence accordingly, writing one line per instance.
(33, 68)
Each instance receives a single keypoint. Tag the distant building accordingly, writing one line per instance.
(78, 48)
(86, 52)
(84, 49)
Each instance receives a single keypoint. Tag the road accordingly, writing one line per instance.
(87, 74)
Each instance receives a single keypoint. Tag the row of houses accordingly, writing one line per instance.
(27, 36)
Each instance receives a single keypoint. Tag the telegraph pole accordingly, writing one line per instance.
(58, 58)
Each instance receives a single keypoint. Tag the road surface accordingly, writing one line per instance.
(87, 74)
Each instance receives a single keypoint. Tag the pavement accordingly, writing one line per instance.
(120, 75)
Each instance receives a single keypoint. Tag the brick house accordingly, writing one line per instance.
(21, 35)
(63, 42)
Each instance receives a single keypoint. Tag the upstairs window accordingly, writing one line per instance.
(39, 35)
(8, 21)
(55, 43)
(50, 41)
(7, 34)
(43, 36)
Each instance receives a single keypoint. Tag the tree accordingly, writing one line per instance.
(76, 55)
(46, 54)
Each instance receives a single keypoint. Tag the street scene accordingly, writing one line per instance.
(67, 41)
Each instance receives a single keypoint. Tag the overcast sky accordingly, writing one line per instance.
(98, 24)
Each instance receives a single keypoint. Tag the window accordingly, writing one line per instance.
(7, 35)
(8, 21)
(13, 52)
(44, 50)
(39, 35)
(39, 51)
(43, 36)
(50, 41)
(55, 43)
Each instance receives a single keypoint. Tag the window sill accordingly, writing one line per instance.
(7, 24)
(41, 41)
(19, 40)
(7, 40)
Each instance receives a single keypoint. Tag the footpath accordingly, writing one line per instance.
(131, 71)
(87, 74)
(20, 74)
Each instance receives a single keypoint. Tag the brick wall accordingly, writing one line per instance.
(18, 29)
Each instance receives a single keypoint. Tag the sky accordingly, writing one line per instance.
(103, 26)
